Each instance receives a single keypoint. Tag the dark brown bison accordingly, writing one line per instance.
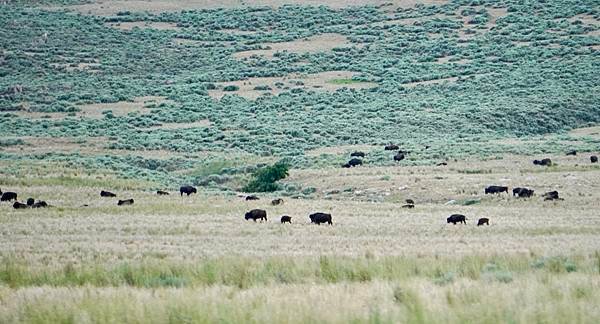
(594, 159)
(410, 201)
(125, 202)
(572, 152)
(286, 219)
(391, 147)
(483, 221)
(399, 157)
(456, 218)
(409, 206)
(252, 197)
(255, 214)
(8, 196)
(495, 189)
(107, 194)
(30, 202)
(522, 192)
(355, 162)
(441, 164)
(18, 205)
(358, 154)
(551, 195)
(161, 193)
(188, 190)
(543, 162)
(319, 218)
(277, 201)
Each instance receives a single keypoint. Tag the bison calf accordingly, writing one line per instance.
(456, 218)
(107, 194)
(483, 221)
(252, 197)
(319, 218)
(161, 193)
(286, 219)
(255, 214)
(125, 202)
(277, 201)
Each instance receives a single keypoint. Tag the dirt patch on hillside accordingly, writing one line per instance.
(59, 145)
(196, 124)
(586, 19)
(325, 81)
(451, 59)
(112, 7)
(428, 82)
(586, 131)
(120, 108)
(86, 67)
(318, 43)
(143, 24)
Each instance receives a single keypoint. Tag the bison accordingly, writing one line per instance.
(255, 214)
(18, 205)
(456, 218)
(40, 204)
(125, 202)
(522, 192)
(358, 154)
(483, 221)
(188, 190)
(161, 193)
(107, 194)
(286, 219)
(495, 189)
(319, 218)
(399, 157)
(551, 195)
(252, 197)
(277, 201)
(409, 206)
(355, 162)
(391, 147)
(8, 196)
(594, 159)
(410, 201)
(543, 162)
(441, 164)
(30, 202)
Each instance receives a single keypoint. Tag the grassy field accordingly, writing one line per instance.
(137, 96)
(195, 259)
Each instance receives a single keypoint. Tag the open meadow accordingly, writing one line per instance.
(138, 96)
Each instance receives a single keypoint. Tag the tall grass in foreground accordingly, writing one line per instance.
(246, 272)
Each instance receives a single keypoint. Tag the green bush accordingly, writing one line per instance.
(265, 179)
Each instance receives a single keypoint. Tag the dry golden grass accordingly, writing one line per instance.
(121, 108)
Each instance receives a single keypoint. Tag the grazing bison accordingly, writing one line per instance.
(409, 206)
(252, 197)
(161, 193)
(391, 147)
(188, 190)
(572, 152)
(319, 218)
(522, 192)
(125, 202)
(495, 189)
(30, 202)
(255, 214)
(355, 162)
(286, 219)
(456, 218)
(551, 195)
(594, 159)
(107, 194)
(40, 204)
(358, 154)
(399, 157)
(543, 162)
(537, 162)
(8, 196)
(277, 201)
(18, 205)
(483, 221)
(441, 164)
